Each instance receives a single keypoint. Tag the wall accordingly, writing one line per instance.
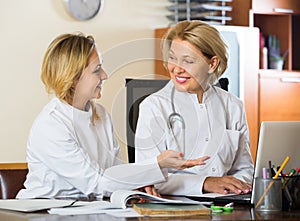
(123, 31)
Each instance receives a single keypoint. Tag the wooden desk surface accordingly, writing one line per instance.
(239, 213)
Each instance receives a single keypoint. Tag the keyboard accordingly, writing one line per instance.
(237, 199)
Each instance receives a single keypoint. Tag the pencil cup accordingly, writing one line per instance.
(268, 194)
(276, 63)
(291, 193)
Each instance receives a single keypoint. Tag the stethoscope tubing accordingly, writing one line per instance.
(176, 116)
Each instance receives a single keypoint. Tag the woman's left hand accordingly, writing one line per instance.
(150, 190)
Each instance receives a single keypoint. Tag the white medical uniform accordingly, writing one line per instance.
(69, 156)
(217, 127)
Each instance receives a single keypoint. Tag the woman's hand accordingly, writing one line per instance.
(225, 185)
(174, 159)
(150, 190)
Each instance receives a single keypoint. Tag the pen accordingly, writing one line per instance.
(264, 171)
(281, 173)
(292, 172)
(275, 177)
(270, 167)
(295, 179)
(286, 180)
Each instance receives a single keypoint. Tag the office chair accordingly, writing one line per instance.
(12, 177)
(137, 90)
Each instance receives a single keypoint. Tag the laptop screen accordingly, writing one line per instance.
(277, 140)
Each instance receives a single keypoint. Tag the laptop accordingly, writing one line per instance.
(277, 140)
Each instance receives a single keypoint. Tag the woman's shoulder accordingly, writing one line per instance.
(226, 95)
(51, 108)
(51, 121)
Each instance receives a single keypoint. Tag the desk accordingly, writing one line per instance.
(239, 213)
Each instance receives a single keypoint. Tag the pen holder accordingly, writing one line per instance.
(268, 194)
(291, 193)
(276, 63)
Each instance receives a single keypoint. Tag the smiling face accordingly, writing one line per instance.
(195, 55)
(94, 76)
(188, 67)
(89, 86)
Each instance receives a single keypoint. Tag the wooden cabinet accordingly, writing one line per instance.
(276, 98)
(279, 95)
(241, 8)
(287, 6)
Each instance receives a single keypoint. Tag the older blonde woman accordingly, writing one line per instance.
(192, 115)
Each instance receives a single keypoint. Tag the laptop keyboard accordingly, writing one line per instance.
(238, 199)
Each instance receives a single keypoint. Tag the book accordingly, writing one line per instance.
(126, 198)
(158, 206)
(152, 209)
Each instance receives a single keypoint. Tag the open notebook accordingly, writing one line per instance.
(277, 140)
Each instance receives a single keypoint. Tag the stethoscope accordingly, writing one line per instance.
(171, 121)
(175, 116)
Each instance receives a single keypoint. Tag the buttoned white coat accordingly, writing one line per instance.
(217, 127)
(69, 156)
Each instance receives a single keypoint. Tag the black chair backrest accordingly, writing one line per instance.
(137, 90)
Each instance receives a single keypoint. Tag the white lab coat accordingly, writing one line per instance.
(210, 130)
(68, 156)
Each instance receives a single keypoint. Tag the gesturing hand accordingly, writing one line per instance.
(174, 159)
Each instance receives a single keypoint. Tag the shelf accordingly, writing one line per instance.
(288, 34)
(215, 11)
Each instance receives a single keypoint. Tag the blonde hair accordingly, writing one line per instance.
(204, 37)
(63, 64)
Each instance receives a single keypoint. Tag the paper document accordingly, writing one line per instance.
(83, 207)
(31, 205)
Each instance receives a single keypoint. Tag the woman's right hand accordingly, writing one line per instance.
(174, 159)
(226, 184)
